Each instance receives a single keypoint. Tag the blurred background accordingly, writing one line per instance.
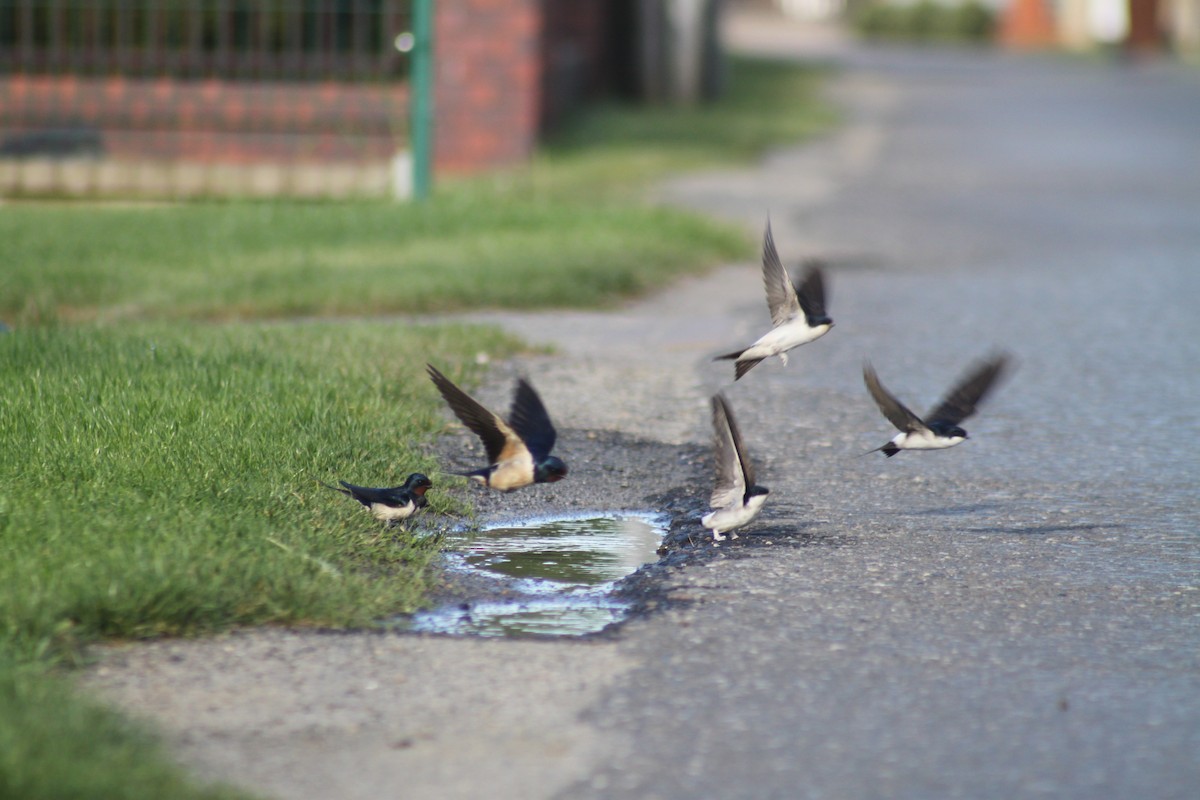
(303, 98)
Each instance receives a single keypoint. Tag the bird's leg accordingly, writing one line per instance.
(717, 537)
(783, 358)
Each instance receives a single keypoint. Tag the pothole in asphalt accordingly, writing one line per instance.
(554, 576)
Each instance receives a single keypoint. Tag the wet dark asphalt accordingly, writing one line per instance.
(1018, 616)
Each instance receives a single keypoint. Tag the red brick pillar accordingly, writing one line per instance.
(1144, 32)
(1028, 24)
(487, 74)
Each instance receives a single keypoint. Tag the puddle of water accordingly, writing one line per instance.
(567, 616)
(560, 569)
(577, 551)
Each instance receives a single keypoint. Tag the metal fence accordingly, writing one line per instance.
(185, 97)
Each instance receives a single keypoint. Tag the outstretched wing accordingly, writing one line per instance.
(781, 295)
(960, 403)
(733, 470)
(811, 294)
(530, 420)
(896, 412)
(499, 440)
(743, 457)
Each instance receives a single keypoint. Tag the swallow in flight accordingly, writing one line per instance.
(518, 450)
(393, 504)
(736, 499)
(797, 312)
(940, 428)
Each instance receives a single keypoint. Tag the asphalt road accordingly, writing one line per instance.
(1013, 618)
(1016, 617)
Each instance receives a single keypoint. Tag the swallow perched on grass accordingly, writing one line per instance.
(940, 429)
(393, 504)
(797, 312)
(736, 499)
(518, 450)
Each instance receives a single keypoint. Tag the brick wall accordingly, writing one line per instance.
(504, 70)
(205, 121)
(487, 74)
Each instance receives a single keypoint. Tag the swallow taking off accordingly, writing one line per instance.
(736, 499)
(940, 429)
(393, 504)
(518, 450)
(797, 312)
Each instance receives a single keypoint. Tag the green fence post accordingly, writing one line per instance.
(421, 83)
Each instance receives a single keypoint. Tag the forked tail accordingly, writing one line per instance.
(742, 367)
(346, 492)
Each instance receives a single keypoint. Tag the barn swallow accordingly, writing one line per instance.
(940, 429)
(797, 312)
(518, 450)
(392, 504)
(736, 499)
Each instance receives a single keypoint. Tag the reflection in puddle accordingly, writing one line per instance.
(585, 551)
(561, 570)
(561, 616)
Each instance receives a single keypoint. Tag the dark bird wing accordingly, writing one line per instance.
(499, 440)
(969, 391)
(743, 458)
(734, 471)
(896, 412)
(366, 495)
(811, 294)
(530, 420)
(781, 295)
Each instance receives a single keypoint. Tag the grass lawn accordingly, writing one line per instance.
(158, 471)
(237, 261)
(161, 480)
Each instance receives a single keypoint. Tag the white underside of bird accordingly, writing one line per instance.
(729, 518)
(924, 440)
(385, 513)
(777, 341)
